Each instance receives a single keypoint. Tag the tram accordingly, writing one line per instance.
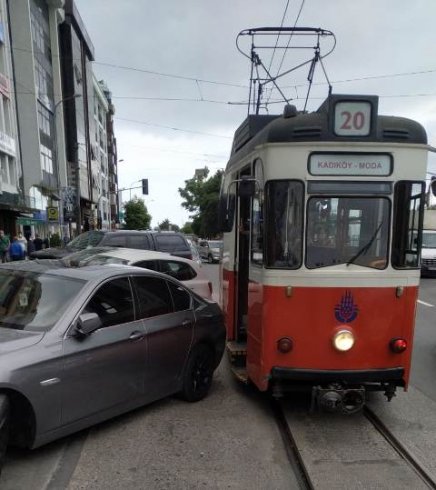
(321, 214)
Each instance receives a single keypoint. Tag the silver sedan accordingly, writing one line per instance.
(79, 346)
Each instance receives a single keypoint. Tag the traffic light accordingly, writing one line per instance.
(145, 186)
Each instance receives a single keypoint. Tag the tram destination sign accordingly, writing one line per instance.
(362, 164)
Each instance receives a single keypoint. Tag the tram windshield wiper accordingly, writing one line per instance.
(366, 247)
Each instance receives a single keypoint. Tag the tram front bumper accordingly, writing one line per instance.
(352, 376)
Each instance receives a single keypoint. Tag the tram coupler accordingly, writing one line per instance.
(336, 398)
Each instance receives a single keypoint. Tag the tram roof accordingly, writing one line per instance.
(293, 126)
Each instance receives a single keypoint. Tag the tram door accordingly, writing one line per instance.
(242, 262)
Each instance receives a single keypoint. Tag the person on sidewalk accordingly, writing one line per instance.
(16, 251)
(23, 242)
(4, 246)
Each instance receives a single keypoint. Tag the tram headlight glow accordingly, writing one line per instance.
(343, 340)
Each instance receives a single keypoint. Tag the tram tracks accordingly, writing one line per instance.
(379, 460)
(399, 447)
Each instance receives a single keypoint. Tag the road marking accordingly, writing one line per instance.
(425, 304)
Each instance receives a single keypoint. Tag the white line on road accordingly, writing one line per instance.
(425, 304)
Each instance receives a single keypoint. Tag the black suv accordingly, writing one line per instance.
(162, 241)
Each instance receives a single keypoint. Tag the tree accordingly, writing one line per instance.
(167, 225)
(136, 215)
(201, 195)
(187, 228)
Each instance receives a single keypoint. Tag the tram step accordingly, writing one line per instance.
(237, 352)
(237, 348)
(240, 373)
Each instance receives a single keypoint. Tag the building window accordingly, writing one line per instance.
(12, 170)
(4, 168)
(46, 159)
(44, 119)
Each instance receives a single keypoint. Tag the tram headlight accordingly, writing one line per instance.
(343, 340)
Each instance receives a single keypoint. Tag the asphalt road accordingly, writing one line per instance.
(229, 440)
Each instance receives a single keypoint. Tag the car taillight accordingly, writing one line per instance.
(284, 345)
(398, 345)
(210, 287)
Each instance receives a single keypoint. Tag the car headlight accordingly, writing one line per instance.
(343, 340)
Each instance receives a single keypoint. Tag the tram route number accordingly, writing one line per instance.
(352, 118)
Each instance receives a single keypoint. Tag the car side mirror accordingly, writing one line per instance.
(87, 323)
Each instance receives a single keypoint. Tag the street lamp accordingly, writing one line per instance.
(56, 160)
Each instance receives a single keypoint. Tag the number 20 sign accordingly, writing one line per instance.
(352, 118)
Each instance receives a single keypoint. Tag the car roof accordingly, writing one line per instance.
(134, 254)
(91, 273)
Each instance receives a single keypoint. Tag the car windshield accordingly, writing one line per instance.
(75, 259)
(87, 239)
(34, 301)
(428, 240)
(104, 259)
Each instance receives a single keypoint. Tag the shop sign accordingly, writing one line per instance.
(53, 214)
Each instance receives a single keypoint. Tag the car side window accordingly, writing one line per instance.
(147, 264)
(116, 241)
(170, 243)
(178, 270)
(138, 241)
(181, 297)
(113, 303)
(153, 296)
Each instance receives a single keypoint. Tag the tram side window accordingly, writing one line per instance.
(284, 224)
(408, 211)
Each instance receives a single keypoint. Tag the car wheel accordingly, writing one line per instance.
(4, 427)
(210, 259)
(198, 375)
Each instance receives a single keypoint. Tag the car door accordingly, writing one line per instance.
(105, 369)
(169, 324)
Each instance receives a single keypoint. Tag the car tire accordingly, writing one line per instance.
(4, 427)
(198, 375)
(210, 259)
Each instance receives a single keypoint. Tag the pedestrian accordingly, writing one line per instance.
(37, 242)
(23, 242)
(4, 246)
(45, 243)
(30, 246)
(16, 251)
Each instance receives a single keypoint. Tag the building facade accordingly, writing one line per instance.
(112, 160)
(77, 54)
(36, 70)
(102, 217)
(12, 204)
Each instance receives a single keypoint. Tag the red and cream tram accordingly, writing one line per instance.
(322, 216)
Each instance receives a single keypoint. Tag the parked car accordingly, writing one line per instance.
(162, 241)
(210, 250)
(195, 252)
(428, 253)
(81, 345)
(185, 270)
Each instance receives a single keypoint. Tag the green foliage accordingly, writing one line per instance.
(55, 240)
(166, 225)
(187, 228)
(201, 195)
(136, 215)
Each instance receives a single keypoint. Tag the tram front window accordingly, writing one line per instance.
(347, 230)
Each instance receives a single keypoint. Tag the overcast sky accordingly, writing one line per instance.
(385, 48)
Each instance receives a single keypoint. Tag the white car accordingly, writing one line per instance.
(185, 270)
(428, 253)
